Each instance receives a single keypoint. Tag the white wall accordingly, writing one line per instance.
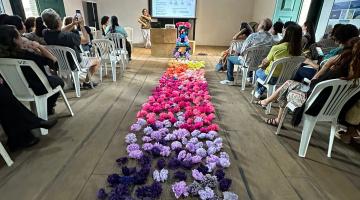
(7, 7)
(263, 9)
(72, 5)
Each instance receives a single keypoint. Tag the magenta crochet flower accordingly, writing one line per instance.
(206, 194)
(180, 189)
(130, 138)
(197, 175)
(135, 127)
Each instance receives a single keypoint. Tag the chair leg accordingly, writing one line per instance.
(244, 76)
(66, 101)
(106, 72)
(237, 73)
(76, 80)
(42, 111)
(270, 91)
(101, 72)
(332, 136)
(252, 95)
(5, 155)
(309, 124)
(113, 69)
(281, 122)
(123, 65)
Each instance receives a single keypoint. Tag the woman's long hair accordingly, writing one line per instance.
(355, 61)
(39, 27)
(311, 31)
(29, 24)
(246, 29)
(293, 36)
(104, 20)
(114, 23)
(8, 35)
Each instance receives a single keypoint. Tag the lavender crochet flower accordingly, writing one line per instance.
(190, 147)
(146, 139)
(130, 138)
(209, 181)
(161, 163)
(170, 137)
(197, 175)
(224, 162)
(159, 124)
(165, 151)
(181, 118)
(167, 123)
(148, 130)
(156, 135)
(180, 176)
(201, 152)
(178, 124)
(211, 135)
(180, 189)
(195, 133)
(202, 136)
(181, 133)
(132, 147)
(160, 176)
(147, 146)
(199, 145)
(198, 119)
(211, 166)
(184, 141)
(212, 159)
(206, 193)
(136, 154)
(176, 145)
(224, 155)
(230, 196)
(209, 143)
(194, 140)
(211, 150)
(141, 122)
(225, 184)
(164, 131)
(135, 127)
(182, 155)
(196, 159)
(194, 188)
(101, 194)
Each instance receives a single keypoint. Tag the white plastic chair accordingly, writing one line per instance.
(93, 31)
(106, 49)
(252, 59)
(61, 52)
(5, 155)
(119, 40)
(130, 38)
(341, 92)
(289, 66)
(10, 69)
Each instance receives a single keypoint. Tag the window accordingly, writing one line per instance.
(30, 8)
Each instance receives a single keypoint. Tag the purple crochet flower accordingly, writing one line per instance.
(181, 133)
(146, 139)
(230, 196)
(180, 189)
(174, 163)
(170, 137)
(132, 147)
(128, 171)
(135, 127)
(225, 184)
(148, 130)
(211, 135)
(145, 161)
(196, 159)
(113, 179)
(165, 151)
(167, 124)
(202, 136)
(201, 152)
(203, 169)
(101, 194)
(147, 146)
(119, 191)
(195, 133)
(180, 176)
(211, 150)
(155, 151)
(149, 192)
(141, 122)
(136, 154)
(206, 193)
(187, 164)
(156, 135)
(197, 175)
(182, 155)
(199, 145)
(122, 160)
(220, 174)
(161, 163)
(194, 140)
(130, 138)
(159, 124)
(164, 131)
(224, 162)
(212, 159)
(176, 145)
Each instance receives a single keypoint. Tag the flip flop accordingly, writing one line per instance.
(272, 122)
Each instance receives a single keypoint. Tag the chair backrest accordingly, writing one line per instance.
(236, 44)
(118, 39)
(104, 47)
(253, 56)
(61, 53)
(341, 92)
(289, 65)
(93, 31)
(10, 70)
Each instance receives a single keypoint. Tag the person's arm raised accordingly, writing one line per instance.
(85, 38)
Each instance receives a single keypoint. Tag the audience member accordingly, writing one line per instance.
(64, 37)
(262, 37)
(3, 17)
(345, 66)
(37, 34)
(145, 22)
(104, 23)
(29, 24)
(276, 31)
(116, 28)
(352, 122)
(235, 46)
(11, 47)
(290, 45)
(308, 34)
(17, 121)
(287, 24)
(76, 29)
(342, 35)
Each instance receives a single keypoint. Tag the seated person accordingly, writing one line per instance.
(116, 28)
(290, 45)
(245, 31)
(345, 66)
(37, 34)
(308, 35)
(77, 30)
(64, 37)
(262, 37)
(17, 121)
(11, 47)
(104, 24)
(276, 31)
(342, 35)
(29, 24)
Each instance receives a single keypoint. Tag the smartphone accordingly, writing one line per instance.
(77, 14)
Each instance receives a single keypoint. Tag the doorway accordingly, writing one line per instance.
(91, 14)
(287, 10)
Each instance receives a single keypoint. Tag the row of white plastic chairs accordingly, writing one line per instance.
(110, 50)
(341, 92)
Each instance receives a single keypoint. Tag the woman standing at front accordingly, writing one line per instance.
(145, 22)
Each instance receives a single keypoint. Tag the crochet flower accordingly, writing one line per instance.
(160, 176)
(220, 174)
(194, 188)
(230, 196)
(136, 154)
(167, 124)
(132, 147)
(151, 192)
(165, 151)
(180, 176)
(206, 194)
(196, 159)
(135, 127)
(147, 146)
(101, 194)
(182, 155)
(209, 181)
(130, 138)
(141, 122)
(176, 145)
(190, 147)
(180, 189)
(148, 130)
(195, 133)
(224, 184)
(201, 152)
(156, 135)
(197, 175)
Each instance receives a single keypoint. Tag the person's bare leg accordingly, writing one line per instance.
(272, 98)
(92, 70)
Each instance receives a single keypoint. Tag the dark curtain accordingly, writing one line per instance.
(18, 8)
(315, 11)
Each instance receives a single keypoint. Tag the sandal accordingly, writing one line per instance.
(260, 104)
(272, 122)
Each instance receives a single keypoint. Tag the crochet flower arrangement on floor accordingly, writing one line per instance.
(174, 140)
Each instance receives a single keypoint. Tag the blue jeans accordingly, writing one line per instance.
(231, 61)
(304, 72)
(260, 73)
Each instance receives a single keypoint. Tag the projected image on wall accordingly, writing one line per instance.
(173, 8)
